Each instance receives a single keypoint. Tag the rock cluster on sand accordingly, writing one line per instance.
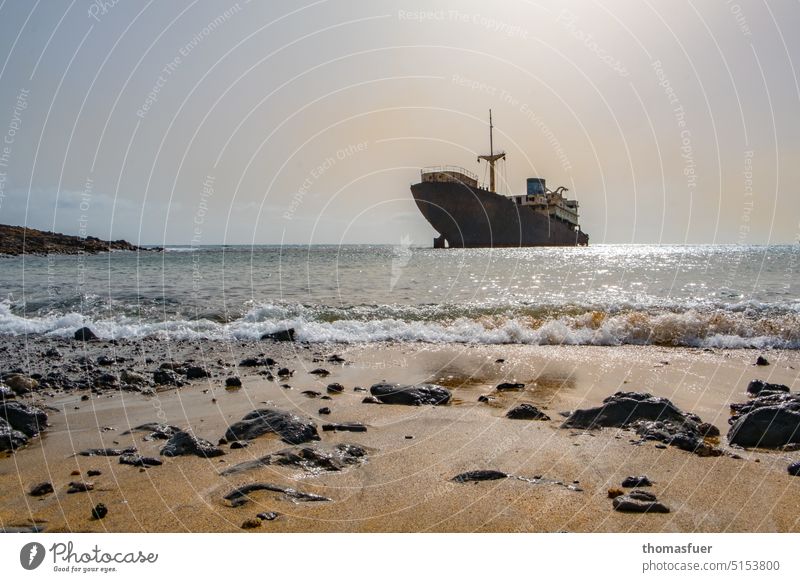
(652, 417)
(311, 459)
(19, 422)
(410, 394)
(770, 419)
(185, 443)
(291, 428)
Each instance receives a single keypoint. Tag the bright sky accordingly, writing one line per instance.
(237, 122)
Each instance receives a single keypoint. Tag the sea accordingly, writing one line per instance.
(711, 296)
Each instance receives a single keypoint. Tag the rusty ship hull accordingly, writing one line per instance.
(473, 217)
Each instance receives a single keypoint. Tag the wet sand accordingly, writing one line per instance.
(405, 484)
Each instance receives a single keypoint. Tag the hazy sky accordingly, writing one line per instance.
(237, 122)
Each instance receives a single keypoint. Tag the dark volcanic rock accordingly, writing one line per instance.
(309, 458)
(685, 436)
(99, 511)
(410, 394)
(767, 427)
(291, 428)
(252, 362)
(165, 377)
(27, 419)
(335, 388)
(157, 430)
(107, 452)
(762, 361)
(19, 240)
(630, 504)
(184, 443)
(479, 475)
(85, 334)
(506, 386)
(241, 495)
(622, 409)
(311, 393)
(526, 411)
(233, 382)
(319, 372)
(794, 469)
(285, 372)
(345, 426)
(139, 461)
(653, 418)
(324, 410)
(284, 335)
(758, 386)
(637, 481)
(789, 401)
(10, 439)
(196, 372)
(79, 487)
(41, 489)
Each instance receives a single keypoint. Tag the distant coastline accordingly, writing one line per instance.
(21, 240)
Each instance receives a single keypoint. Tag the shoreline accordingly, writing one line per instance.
(405, 484)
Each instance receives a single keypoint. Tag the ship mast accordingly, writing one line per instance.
(492, 157)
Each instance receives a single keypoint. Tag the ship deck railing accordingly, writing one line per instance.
(443, 169)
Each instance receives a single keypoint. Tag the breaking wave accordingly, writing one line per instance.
(745, 326)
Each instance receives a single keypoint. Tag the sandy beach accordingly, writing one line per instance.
(404, 483)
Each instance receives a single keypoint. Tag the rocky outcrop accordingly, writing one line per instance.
(291, 428)
(10, 439)
(769, 427)
(769, 419)
(624, 408)
(526, 411)
(411, 395)
(756, 387)
(20, 240)
(652, 417)
(185, 443)
(27, 419)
